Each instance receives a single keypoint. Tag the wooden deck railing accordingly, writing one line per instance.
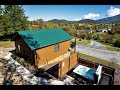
(67, 64)
(109, 71)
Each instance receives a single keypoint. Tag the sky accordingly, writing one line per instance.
(70, 12)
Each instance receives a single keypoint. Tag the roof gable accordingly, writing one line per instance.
(40, 38)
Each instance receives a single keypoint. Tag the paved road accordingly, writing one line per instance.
(97, 45)
(99, 52)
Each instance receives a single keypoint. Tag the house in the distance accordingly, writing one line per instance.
(101, 30)
(88, 31)
(98, 30)
(104, 30)
(45, 47)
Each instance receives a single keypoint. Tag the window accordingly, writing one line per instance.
(19, 48)
(56, 47)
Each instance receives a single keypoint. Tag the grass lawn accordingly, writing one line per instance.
(112, 48)
(7, 44)
(98, 60)
(86, 42)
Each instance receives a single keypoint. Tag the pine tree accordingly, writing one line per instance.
(14, 19)
(1, 10)
(1, 18)
(6, 25)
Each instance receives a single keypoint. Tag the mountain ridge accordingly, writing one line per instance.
(112, 19)
(107, 20)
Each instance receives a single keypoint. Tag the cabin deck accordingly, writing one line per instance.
(51, 71)
(79, 80)
(105, 80)
(48, 66)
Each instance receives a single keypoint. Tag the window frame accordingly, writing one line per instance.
(56, 47)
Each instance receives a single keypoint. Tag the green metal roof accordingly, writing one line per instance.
(40, 38)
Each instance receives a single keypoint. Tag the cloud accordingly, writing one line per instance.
(2, 6)
(91, 16)
(113, 11)
(77, 19)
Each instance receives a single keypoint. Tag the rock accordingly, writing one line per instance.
(69, 81)
(15, 78)
(57, 82)
(7, 57)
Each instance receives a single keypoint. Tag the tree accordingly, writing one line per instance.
(116, 29)
(87, 28)
(1, 10)
(88, 36)
(6, 25)
(1, 26)
(14, 19)
(76, 26)
(116, 40)
(82, 34)
(69, 30)
(96, 36)
(40, 23)
(103, 37)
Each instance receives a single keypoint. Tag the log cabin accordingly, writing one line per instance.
(45, 46)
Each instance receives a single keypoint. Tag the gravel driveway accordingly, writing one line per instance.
(99, 52)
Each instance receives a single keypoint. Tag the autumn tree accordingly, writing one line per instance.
(69, 30)
(82, 34)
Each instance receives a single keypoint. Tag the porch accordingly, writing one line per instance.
(61, 65)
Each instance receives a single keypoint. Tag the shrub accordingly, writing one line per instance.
(13, 56)
(22, 61)
(117, 43)
(96, 36)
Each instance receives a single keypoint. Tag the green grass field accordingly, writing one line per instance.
(86, 42)
(98, 60)
(112, 48)
(7, 44)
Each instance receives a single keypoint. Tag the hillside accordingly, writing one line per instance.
(88, 21)
(60, 21)
(113, 19)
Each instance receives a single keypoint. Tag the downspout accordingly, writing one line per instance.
(75, 34)
(75, 46)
